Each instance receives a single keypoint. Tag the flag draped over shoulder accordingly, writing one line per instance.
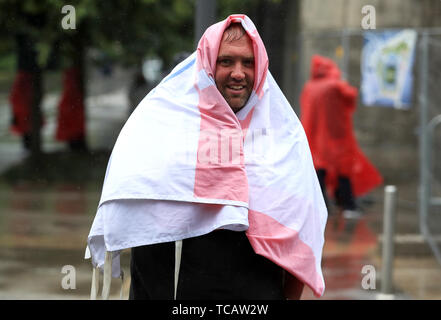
(185, 152)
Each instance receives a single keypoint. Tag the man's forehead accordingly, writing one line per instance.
(243, 41)
(234, 31)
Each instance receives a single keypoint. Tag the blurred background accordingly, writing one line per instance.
(72, 73)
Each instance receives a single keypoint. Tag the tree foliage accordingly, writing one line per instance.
(127, 30)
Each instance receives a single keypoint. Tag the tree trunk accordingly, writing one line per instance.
(27, 61)
(278, 23)
(36, 115)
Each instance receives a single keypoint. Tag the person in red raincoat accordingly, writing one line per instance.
(25, 90)
(71, 117)
(327, 105)
(21, 102)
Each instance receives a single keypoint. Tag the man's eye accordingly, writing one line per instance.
(248, 63)
(225, 62)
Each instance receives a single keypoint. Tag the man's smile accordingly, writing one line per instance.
(236, 89)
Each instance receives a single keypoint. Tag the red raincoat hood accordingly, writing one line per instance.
(322, 67)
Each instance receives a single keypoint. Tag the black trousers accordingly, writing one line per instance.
(219, 265)
(344, 196)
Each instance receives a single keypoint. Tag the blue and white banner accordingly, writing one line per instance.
(386, 68)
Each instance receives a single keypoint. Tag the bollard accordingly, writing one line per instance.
(388, 240)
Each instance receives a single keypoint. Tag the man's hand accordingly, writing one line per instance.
(293, 287)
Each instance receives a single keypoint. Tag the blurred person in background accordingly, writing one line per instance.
(71, 120)
(327, 105)
(22, 94)
(71, 116)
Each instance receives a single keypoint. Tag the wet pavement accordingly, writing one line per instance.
(353, 252)
(41, 232)
(43, 229)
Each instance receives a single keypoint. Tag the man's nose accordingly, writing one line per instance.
(238, 72)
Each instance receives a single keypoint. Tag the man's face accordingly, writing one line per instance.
(235, 71)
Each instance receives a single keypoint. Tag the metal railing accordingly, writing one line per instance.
(427, 128)
(338, 45)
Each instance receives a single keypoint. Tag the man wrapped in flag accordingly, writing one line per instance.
(211, 183)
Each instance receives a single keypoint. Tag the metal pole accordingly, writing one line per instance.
(388, 239)
(424, 148)
(205, 16)
(429, 200)
(345, 43)
(426, 132)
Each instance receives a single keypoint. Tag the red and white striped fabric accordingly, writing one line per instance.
(185, 164)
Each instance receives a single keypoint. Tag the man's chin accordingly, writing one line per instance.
(236, 104)
(236, 108)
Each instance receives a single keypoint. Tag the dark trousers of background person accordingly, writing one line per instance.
(344, 196)
(218, 265)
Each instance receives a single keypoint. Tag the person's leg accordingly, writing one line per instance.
(223, 265)
(347, 199)
(205, 267)
(78, 144)
(218, 265)
(152, 272)
(321, 175)
(26, 139)
(345, 194)
(257, 277)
